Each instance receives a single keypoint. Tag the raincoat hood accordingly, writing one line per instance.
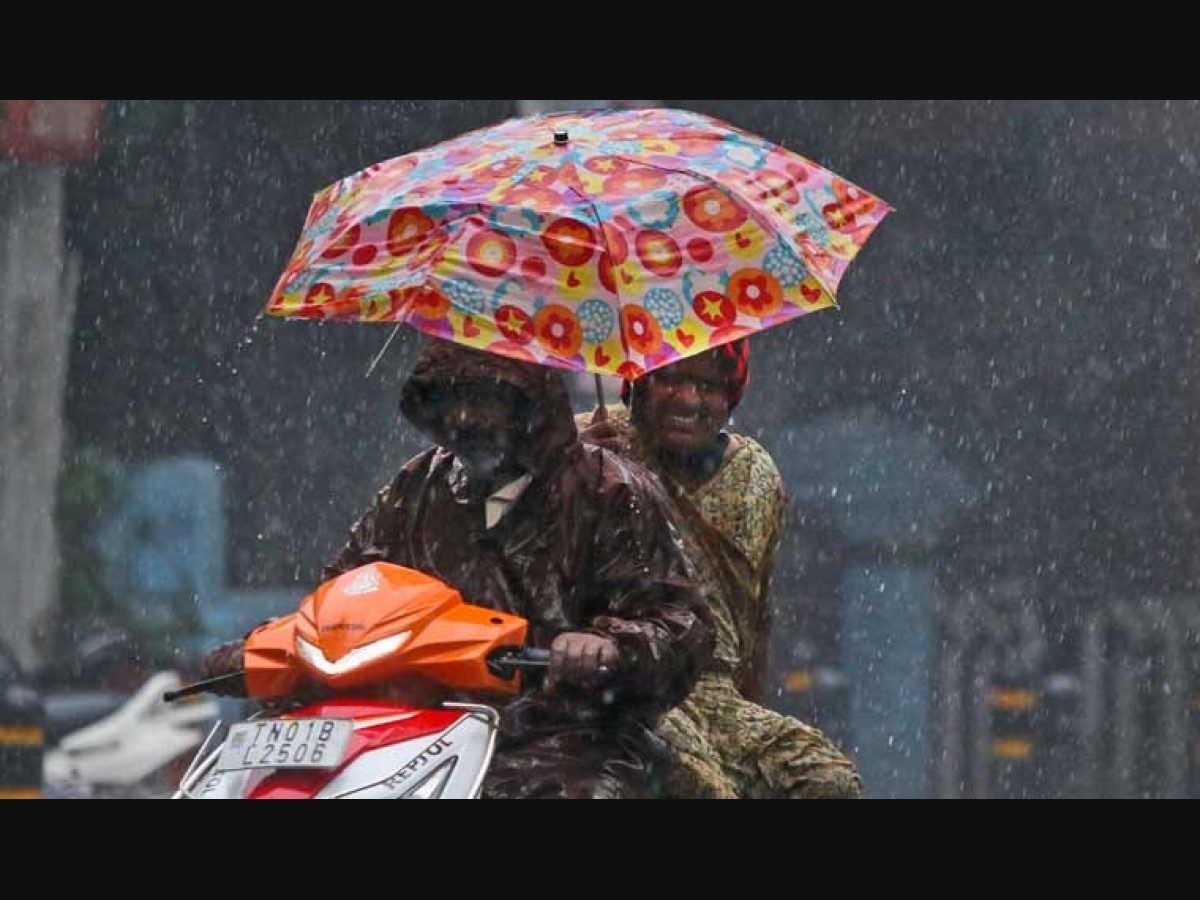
(442, 364)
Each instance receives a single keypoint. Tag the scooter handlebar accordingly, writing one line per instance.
(218, 685)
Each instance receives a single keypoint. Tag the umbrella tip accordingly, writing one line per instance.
(561, 137)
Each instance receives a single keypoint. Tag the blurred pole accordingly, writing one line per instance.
(1190, 614)
(983, 672)
(38, 281)
(1013, 703)
(1057, 729)
(1129, 674)
(1014, 698)
(22, 742)
(890, 652)
(1173, 699)
(959, 620)
(1091, 719)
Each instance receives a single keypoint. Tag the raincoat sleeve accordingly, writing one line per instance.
(643, 594)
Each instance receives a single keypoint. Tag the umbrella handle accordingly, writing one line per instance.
(601, 412)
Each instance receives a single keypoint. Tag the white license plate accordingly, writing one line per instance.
(286, 744)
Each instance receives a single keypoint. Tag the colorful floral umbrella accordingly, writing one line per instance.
(611, 242)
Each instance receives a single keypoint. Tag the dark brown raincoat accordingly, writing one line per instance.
(588, 546)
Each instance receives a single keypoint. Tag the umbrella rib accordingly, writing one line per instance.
(386, 344)
(403, 314)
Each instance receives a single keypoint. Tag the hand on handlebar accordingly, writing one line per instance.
(581, 659)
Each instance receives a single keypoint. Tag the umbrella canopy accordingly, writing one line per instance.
(610, 242)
